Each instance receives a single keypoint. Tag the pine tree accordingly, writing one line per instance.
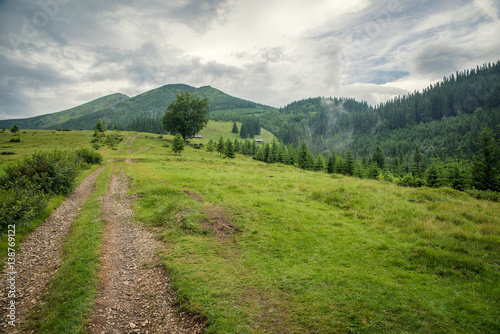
(210, 146)
(229, 150)
(330, 165)
(417, 167)
(178, 144)
(434, 175)
(235, 128)
(100, 125)
(485, 168)
(319, 163)
(457, 176)
(237, 146)
(349, 163)
(243, 130)
(378, 157)
(373, 170)
(259, 155)
(302, 156)
(220, 146)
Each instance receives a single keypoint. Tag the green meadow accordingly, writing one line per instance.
(269, 248)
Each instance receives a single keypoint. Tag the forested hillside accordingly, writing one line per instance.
(444, 120)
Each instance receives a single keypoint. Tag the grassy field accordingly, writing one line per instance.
(259, 248)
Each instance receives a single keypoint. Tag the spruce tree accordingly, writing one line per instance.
(378, 157)
(229, 150)
(100, 125)
(319, 163)
(178, 144)
(243, 130)
(302, 156)
(373, 170)
(485, 168)
(237, 146)
(220, 146)
(433, 176)
(349, 163)
(14, 129)
(235, 128)
(417, 167)
(210, 146)
(330, 166)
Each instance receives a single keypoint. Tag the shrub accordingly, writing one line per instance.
(411, 181)
(15, 140)
(19, 205)
(7, 153)
(488, 195)
(52, 172)
(89, 156)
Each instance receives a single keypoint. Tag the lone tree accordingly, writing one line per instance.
(14, 129)
(235, 128)
(100, 126)
(186, 116)
(178, 144)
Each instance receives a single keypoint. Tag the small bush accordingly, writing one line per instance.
(52, 172)
(89, 156)
(15, 140)
(20, 205)
(411, 181)
(7, 153)
(488, 195)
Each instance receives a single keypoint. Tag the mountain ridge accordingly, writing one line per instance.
(121, 110)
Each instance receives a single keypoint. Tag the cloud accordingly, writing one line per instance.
(55, 54)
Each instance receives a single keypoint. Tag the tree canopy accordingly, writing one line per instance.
(186, 116)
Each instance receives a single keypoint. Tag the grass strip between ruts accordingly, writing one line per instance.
(73, 288)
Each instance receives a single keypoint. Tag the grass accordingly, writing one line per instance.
(316, 253)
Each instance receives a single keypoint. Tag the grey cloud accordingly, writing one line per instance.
(440, 59)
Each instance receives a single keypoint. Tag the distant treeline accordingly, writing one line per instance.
(146, 124)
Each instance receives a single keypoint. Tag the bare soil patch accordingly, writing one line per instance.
(218, 222)
(39, 256)
(135, 295)
(193, 196)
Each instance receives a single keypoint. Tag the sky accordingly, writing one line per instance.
(57, 54)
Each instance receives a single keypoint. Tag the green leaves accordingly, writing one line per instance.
(186, 116)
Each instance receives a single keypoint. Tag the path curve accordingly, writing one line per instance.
(135, 295)
(39, 256)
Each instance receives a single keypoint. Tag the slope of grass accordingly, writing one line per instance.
(319, 253)
(54, 120)
(315, 253)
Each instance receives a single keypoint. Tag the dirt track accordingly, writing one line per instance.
(135, 293)
(39, 256)
(134, 290)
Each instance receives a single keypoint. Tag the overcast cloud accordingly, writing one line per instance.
(56, 54)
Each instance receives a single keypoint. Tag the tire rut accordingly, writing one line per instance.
(134, 295)
(39, 256)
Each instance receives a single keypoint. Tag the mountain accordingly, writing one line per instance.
(54, 121)
(123, 111)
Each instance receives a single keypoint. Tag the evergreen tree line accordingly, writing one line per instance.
(482, 174)
(250, 127)
(147, 124)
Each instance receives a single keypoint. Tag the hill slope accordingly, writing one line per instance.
(54, 121)
(443, 120)
(122, 111)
